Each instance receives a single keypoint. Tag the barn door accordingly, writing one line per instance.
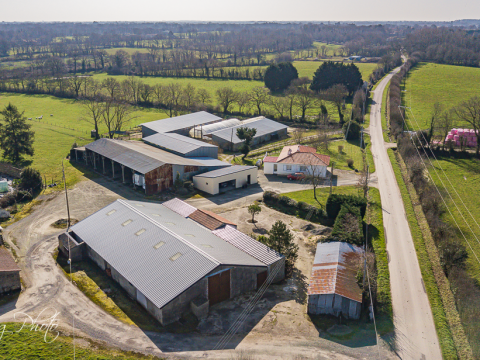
(219, 287)
(261, 278)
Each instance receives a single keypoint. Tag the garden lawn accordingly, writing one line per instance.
(55, 135)
(428, 83)
(322, 194)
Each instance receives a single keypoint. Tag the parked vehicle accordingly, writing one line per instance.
(296, 176)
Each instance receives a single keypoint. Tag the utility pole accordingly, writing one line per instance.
(331, 178)
(66, 198)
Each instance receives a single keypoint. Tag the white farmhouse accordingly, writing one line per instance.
(297, 158)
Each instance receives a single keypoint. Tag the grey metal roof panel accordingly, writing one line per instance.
(251, 246)
(175, 142)
(137, 155)
(196, 235)
(210, 162)
(225, 124)
(264, 126)
(149, 270)
(225, 171)
(181, 122)
(180, 207)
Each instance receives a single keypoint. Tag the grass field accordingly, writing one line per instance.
(25, 344)
(54, 135)
(429, 83)
(308, 68)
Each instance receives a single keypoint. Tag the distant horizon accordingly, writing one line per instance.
(247, 11)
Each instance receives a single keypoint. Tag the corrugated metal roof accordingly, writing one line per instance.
(180, 207)
(148, 269)
(263, 125)
(251, 246)
(225, 171)
(130, 248)
(137, 155)
(6, 261)
(209, 162)
(195, 234)
(178, 143)
(334, 270)
(181, 122)
(225, 124)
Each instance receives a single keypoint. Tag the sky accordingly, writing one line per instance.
(244, 10)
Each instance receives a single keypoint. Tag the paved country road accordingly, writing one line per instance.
(416, 337)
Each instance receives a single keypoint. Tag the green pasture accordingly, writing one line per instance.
(55, 135)
(428, 83)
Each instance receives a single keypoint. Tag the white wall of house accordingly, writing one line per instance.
(285, 169)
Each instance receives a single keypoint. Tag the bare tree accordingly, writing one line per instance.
(469, 112)
(172, 95)
(244, 102)
(226, 97)
(112, 86)
(280, 105)
(445, 123)
(336, 94)
(189, 95)
(75, 82)
(259, 96)
(204, 96)
(93, 111)
(437, 110)
(314, 174)
(298, 134)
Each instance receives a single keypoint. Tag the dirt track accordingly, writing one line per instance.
(277, 330)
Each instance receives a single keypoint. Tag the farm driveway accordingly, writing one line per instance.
(278, 328)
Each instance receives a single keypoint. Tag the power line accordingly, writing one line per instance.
(445, 203)
(448, 179)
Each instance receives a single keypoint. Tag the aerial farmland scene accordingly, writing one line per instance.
(256, 181)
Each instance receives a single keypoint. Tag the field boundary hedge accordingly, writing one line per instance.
(447, 343)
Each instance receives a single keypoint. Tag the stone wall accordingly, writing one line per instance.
(9, 281)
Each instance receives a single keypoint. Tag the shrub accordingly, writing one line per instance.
(348, 225)
(30, 178)
(340, 149)
(302, 205)
(268, 195)
(335, 202)
(354, 130)
(350, 163)
(8, 200)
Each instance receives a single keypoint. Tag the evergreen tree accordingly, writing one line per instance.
(280, 239)
(331, 73)
(246, 134)
(279, 76)
(16, 138)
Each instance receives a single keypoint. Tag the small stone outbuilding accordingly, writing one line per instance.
(9, 272)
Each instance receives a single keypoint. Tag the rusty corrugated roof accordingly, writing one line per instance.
(6, 261)
(334, 271)
(206, 220)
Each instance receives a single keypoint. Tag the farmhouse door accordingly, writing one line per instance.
(261, 278)
(219, 287)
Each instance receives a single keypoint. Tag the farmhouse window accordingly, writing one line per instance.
(287, 167)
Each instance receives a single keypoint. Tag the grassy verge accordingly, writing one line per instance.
(447, 344)
(376, 238)
(368, 153)
(385, 127)
(24, 344)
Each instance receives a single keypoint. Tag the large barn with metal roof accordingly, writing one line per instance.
(267, 130)
(180, 124)
(142, 165)
(170, 259)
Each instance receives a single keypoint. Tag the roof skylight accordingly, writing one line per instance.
(159, 245)
(140, 232)
(111, 212)
(176, 256)
(127, 222)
